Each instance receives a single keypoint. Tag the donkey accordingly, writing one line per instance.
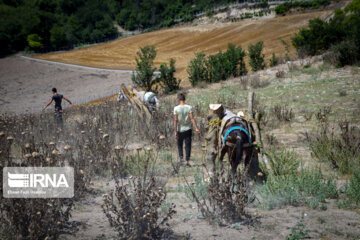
(237, 143)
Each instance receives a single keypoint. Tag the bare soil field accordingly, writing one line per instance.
(183, 42)
(25, 85)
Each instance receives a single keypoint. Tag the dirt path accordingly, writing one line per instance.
(75, 66)
(25, 84)
(332, 223)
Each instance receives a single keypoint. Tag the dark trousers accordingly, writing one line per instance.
(184, 136)
(58, 118)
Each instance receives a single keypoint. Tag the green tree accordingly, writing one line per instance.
(256, 61)
(145, 68)
(353, 7)
(166, 79)
(217, 67)
(281, 9)
(197, 69)
(235, 57)
(34, 41)
(57, 36)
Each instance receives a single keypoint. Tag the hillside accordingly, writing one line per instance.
(306, 88)
(183, 42)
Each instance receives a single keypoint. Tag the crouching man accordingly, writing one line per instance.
(151, 101)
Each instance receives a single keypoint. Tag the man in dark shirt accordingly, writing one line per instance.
(58, 109)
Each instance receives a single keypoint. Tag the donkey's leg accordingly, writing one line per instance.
(234, 166)
(221, 159)
(237, 157)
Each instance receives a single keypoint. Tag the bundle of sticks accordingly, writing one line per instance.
(139, 106)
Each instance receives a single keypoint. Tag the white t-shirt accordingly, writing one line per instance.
(184, 121)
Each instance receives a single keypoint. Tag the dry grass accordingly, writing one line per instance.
(181, 43)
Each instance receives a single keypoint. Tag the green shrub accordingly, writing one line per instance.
(34, 41)
(199, 187)
(282, 162)
(285, 7)
(274, 60)
(217, 67)
(281, 9)
(328, 150)
(298, 232)
(145, 68)
(343, 53)
(166, 79)
(257, 61)
(352, 189)
(197, 69)
(340, 151)
(308, 187)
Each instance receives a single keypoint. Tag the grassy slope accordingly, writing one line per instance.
(301, 89)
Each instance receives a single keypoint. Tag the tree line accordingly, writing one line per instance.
(338, 39)
(39, 24)
(35, 24)
(202, 68)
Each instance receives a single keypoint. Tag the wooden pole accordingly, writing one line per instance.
(255, 125)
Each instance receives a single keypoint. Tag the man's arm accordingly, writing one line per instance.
(48, 104)
(67, 100)
(194, 123)
(175, 125)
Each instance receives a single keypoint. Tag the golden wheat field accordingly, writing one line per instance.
(181, 43)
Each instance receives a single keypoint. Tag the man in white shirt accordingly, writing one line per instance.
(183, 122)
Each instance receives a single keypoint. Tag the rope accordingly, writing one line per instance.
(215, 123)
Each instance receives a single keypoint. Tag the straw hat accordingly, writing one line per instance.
(217, 109)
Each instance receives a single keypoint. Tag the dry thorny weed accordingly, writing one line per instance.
(226, 199)
(132, 208)
(89, 140)
(32, 218)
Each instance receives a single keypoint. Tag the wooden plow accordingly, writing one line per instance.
(137, 104)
